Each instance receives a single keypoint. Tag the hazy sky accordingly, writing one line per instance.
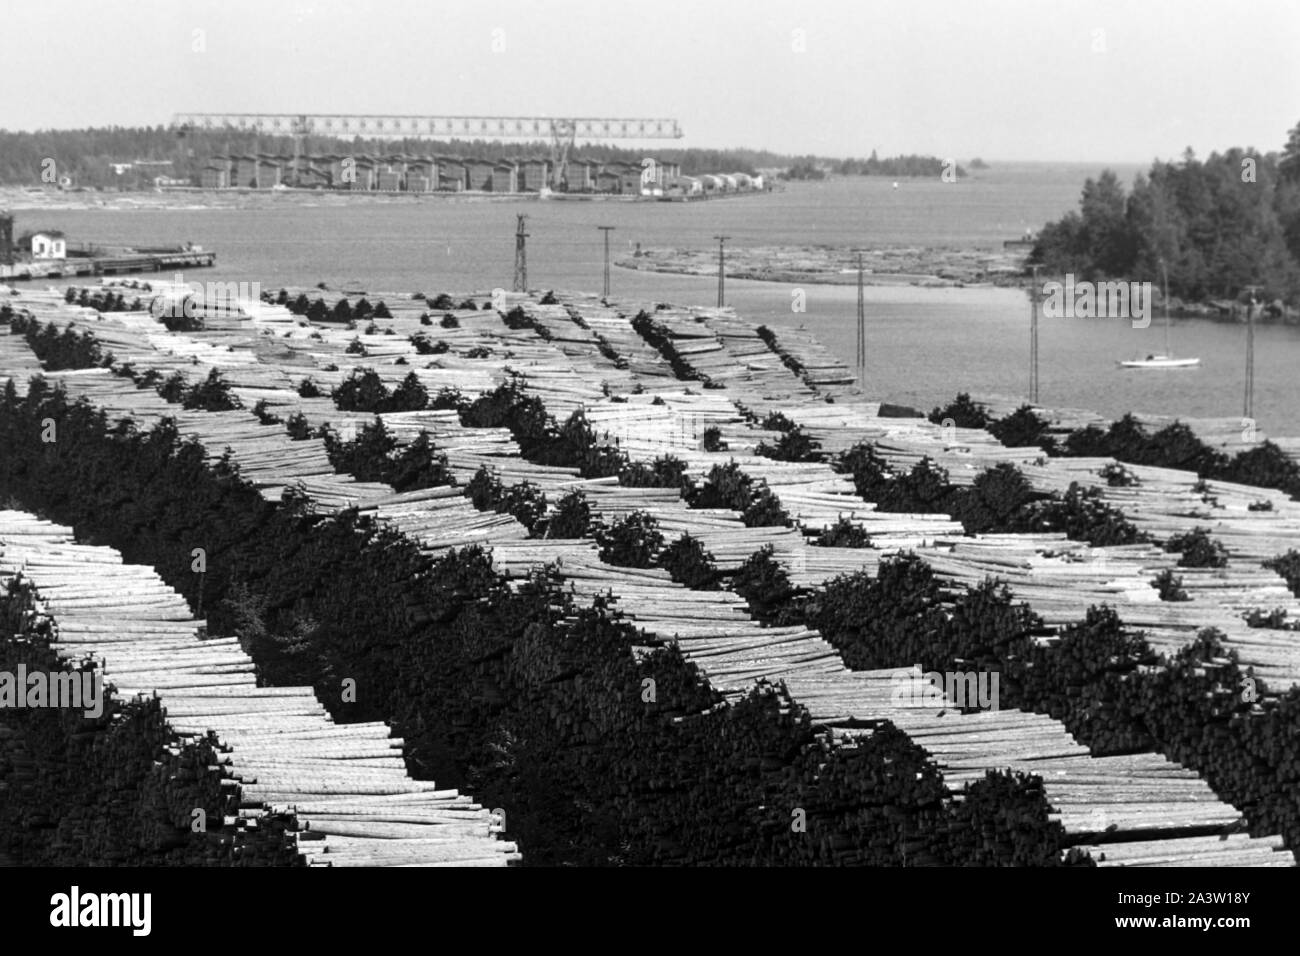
(1002, 79)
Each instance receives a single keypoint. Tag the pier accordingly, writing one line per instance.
(106, 265)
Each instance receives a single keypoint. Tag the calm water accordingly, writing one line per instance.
(925, 344)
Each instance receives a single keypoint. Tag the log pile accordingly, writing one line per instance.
(816, 510)
(620, 345)
(1226, 434)
(714, 629)
(731, 764)
(345, 783)
(811, 510)
(1061, 579)
(1142, 795)
(726, 352)
(1137, 800)
(810, 360)
(1138, 795)
(1253, 524)
(17, 363)
(120, 789)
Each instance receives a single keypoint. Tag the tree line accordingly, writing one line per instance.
(910, 165)
(1218, 225)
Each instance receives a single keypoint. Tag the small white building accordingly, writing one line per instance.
(728, 182)
(742, 180)
(47, 245)
(690, 185)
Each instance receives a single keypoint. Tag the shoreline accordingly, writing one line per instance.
(30, 198)
(928, 267)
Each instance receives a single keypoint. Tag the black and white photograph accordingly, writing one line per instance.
(572, 435)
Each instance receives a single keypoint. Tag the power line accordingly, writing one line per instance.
(1248, 408)
(862, 329)
(1033, 338)
(521, 257)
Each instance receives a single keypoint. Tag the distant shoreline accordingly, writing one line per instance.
(28, 199)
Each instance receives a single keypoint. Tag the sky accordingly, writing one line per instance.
(1054, 80)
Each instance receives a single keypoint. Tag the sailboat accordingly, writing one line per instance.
(1166, 360)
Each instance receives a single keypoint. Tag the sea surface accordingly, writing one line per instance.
(925, 344)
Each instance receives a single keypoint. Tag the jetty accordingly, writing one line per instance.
(48, 254)
(107, 265)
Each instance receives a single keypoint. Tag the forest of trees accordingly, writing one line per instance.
(84, 155)
(802, 171)
(1220, 225)
(910, 165)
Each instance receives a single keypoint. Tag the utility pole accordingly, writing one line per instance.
(606, 230)
(181, 169)
(1248, 410)
(6, 238)
(721, 274)
(521, 257)
(1033, 339)
(862, 330)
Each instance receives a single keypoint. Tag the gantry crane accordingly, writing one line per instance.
(561, 132)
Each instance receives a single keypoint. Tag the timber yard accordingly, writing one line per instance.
(431, 438)
(621, 459)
